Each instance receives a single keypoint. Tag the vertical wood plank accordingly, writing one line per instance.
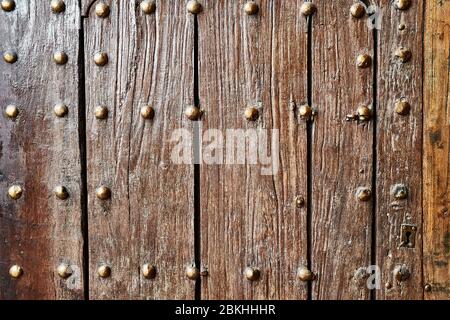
(249, 219)
(40, 151)
(341, 153)
(399, 148)
(149, 218)
(436, 150)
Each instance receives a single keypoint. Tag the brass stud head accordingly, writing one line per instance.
(104, 271)
(147, 112)
(399, 192)
(251, 8)
(58, 6)
(193, 113)
(364, 113)
(252, 274)
(8, 5)
(192, 273)
(194, 7)
(388, 285)
(308, 8)
(299, 201)
(363, 61)
(403, 54)
(101, 59)
(64, 271)
(402, 107)
(15, 192)
(12, 112)
(61, 192)
(364, 194)
(148, 271)
(402, 4)
(101, 112)
(306, 113)
(60, 57)
(428, 287)
(251, 114)
(15, 271)
(401, 273)
(148, 6)
(102, 10)
(305, 275)
(103, 193)
(60, 110)
(358, 10)
(10, 56)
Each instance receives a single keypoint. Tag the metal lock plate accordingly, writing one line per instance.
(408, 236)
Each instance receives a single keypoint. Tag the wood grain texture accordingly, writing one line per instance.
(399, 147)
(341, 153)
(39, 152)
(150, 217)
(436, 150)
(249, 219)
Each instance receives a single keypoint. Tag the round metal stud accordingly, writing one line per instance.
(12, 112)
(147, 112)
(306, 112)
(101, 112)
(10, 56)
(8, 5)
(60, 57)
(104, 271)
(251, 114)
(64, 271)
(305, 275)
(61, 192)
(388, 285)
(148, 271)
(60, 110)
(308, 8)
(103, 193)
(148, 6)
(101, 59)
(399, 192)
(300, 202)
(363, 61)
(358, 10)
(251, 8)
(401, 273)
(102, 10)
(193, 113)
(364, 113)
(403, 4)
(194, 7)
(402, 107)
(15, 192)
(428, 287)
(401, 27)
(252, 274)
(15, 271)
(364, 194)
(192, 273)
(58, 6)
(403, 54)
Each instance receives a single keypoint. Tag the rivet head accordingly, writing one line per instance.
(363, 61)
(10, 56)
(64, 271)
(388, 285)
(364, 113)
(58, 6)
(428, 287)
(251, 114)
(103, 193)
(15, 192)
(193, 113)
(194, 7)
(102, 10)
(101, 59)
(252, 274)
(403, 4)
(401, 273)
(60, 57)
(61, 192)
(308, 8)
(60, 110)
(8, 5)
(358, 10)
(148, 6)
(147, 112)
(306, 112)
(101, 112)
(15, 271)
(305, 275)
(364, 194)
(104, 271)
(299, 201)
(403, 54)
(251, 8)
(148, 271)
(402, 107)
(192, 273)
(12, 112)
(399, 192)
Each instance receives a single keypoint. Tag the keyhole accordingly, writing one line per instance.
(408, 240)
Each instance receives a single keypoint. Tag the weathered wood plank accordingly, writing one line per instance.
(249, 219)
(341, 153)
(436, 150)
(40, 151)
(399, 147)
(149, 218)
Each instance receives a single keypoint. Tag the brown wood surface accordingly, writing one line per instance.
(436, 150)
(149, 218)
(39, 152)
(249, 219)
(341, 153)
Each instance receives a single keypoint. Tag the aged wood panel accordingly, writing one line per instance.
(149, 218)
(399, 147)
(436, 151)
(341, 153)
(249, 219)
(39, 151)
